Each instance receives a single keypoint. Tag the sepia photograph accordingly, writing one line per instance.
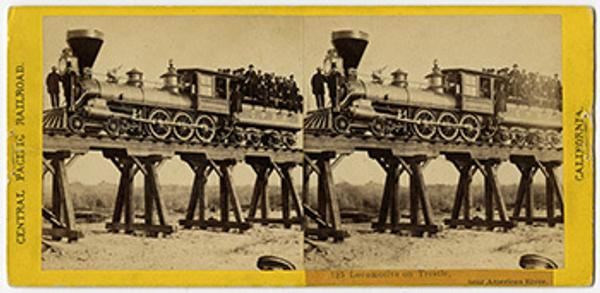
(433, 142)
(172, 143)
(302, 142)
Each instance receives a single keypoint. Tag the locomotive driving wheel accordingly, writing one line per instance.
(341, 124)
(159, 126)
(76, 124)
(447, 128)
(470, 128)
(378, 127)
(183, 130)
(424, 127)
(205, 128)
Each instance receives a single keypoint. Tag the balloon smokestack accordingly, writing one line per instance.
(85, 44)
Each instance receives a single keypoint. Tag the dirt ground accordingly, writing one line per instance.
(450, 249)
(364, 249)
(183, 250)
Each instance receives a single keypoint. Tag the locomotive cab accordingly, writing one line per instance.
(474, 90)
(210, 91)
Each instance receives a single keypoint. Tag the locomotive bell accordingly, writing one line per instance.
(350, 45)
(135, 77)
(85, 44)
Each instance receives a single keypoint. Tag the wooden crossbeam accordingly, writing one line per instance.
(48, 168)
(493, 198)
(528, 166)
(312, 165)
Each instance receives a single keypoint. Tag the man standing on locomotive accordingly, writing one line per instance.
(333, 81)
(251, 82)
(318, 87)
(53, 87)
(69, 81)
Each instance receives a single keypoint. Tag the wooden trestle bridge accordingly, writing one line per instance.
(322, 152)
(133, 156)
(320, 155)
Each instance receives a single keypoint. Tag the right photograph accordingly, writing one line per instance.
(433, 142)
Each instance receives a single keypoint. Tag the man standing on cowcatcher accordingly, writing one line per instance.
(53, 87)
(318, 87)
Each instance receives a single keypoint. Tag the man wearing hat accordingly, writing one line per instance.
(251, 81)
(514, 80)
(318, 87)
(333, 81)
(53, 87)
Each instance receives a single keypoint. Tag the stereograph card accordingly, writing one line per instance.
(305, 146)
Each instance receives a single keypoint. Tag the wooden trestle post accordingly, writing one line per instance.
(203, 166)
(493, 200)
(327, 216)
(528, 167)
(263, 167)
(421, 220)
(129, 166)
(62, 213)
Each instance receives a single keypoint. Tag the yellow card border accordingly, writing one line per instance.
(24, 259)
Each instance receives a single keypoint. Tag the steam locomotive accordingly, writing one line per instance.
(194, 105)
(456, 105)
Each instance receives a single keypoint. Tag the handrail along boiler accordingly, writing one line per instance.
(457, 105)
(194, 105)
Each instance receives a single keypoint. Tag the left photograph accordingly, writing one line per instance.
(172, 142)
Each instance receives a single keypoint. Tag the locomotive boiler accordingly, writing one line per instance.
(193, 105)
(455, 105)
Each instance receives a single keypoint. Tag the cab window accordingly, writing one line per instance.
(220, 87)
(485, 87)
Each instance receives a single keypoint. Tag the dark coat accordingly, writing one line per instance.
(53, 82)
(318, 83)
(333, 82)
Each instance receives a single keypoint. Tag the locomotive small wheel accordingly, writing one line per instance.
(519, 136)
(341, 124)
(448, 129)
(183, 133)
(158, 129)
(424, 127)
(205, 128)
(238, 137)
(76, 124)
(470, 128)
(532, 138)
(378, 128)
(554, 138)
(289, 139)
(489, 131)
(253, 137)
(113, 127)
(503, 135)
(275, 140)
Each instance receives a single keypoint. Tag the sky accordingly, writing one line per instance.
(297, 45)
